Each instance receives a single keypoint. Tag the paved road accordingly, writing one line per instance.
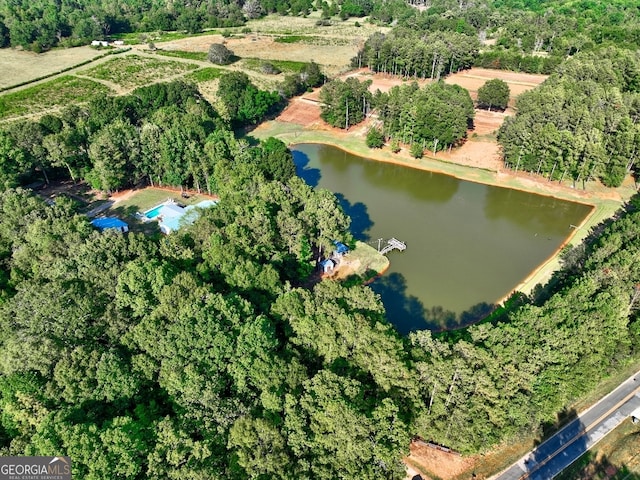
(567, 445)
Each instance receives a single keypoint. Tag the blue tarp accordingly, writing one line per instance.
(109, 222)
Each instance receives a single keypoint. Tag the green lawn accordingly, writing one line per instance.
(204, 74)
(54, 93)
(286, 66)
(135, 38)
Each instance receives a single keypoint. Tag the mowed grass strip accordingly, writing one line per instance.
(55, 93)
(134, 71)
(312, 40)
(200, 56)
(285, 66)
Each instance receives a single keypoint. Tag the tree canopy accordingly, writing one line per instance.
(582, 123)
(494, 94)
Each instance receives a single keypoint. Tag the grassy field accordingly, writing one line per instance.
(137, 38)
(55, 93)
(135, 71)
(312, 40)
(21, 66)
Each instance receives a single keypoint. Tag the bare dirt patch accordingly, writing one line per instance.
(483, 154)
(301, 111)
(429, 461)
(486, 123)
(475, 78)
(19, 66)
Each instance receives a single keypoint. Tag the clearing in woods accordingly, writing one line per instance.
(18, 66)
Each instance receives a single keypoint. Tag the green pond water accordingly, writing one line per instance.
(468, 244)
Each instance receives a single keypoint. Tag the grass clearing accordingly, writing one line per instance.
(137, 38)
(22, 66)
(55, 93)
(312, 40)
(274, 24)
(135, 71)
(205, 75)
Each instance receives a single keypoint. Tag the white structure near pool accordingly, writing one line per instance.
(171, 216)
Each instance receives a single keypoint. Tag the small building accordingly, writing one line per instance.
(118, 43)
(99, 43)
(341, 249)
(327, 265)
(104, 223)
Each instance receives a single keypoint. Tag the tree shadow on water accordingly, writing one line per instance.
(360, 220)
(309, 174)
(409, 314)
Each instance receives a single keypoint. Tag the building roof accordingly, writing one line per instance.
(340, 247)
(174, 216)
(108, 222)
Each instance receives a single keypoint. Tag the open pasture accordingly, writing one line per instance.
(333, 55)
(19, 66)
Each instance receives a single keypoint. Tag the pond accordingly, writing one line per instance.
(468, 244)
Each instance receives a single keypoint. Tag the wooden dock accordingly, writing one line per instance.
(393, 244)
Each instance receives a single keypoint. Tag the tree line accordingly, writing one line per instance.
(165, 134)
(526, 36)
(411, 53)
(581, 123)
(436, 116)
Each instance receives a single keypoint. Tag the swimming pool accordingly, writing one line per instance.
(154, 212)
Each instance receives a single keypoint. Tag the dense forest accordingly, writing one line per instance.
(207, 354)
(437, 115)
(449, 35)
(533, 36)
(582, 123)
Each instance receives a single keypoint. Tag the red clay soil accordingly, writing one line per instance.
(301, 111)
(425, 460)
